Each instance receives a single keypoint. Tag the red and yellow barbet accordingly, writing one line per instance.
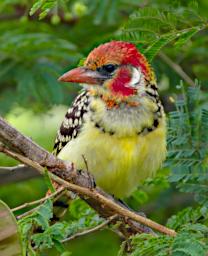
(117, 123)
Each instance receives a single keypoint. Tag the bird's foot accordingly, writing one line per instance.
(86, 178)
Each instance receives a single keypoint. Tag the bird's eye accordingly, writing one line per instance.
(109, 68)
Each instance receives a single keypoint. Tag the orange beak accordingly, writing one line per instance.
(82, 75)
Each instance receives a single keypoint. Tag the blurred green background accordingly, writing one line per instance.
(34, 53)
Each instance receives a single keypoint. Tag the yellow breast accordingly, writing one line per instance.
(118, 164)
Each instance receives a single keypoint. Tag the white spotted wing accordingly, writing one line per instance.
(72, 123)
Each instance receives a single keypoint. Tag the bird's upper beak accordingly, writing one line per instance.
(82, 75)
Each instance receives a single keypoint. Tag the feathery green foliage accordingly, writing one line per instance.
(191, 215)
(29, 56)
(190, 241)
(103, 11)
(38, 232)
(45, 6)
(153, 28)
(188, 145)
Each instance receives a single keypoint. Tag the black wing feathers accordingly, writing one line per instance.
(72, 123)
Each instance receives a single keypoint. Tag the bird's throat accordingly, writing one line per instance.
(115, 103)
(125, 118)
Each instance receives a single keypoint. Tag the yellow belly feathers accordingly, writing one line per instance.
(118, 164)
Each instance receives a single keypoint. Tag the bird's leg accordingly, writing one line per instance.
(90, 177)
(85, 161)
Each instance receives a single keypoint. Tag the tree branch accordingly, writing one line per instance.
(25, 146)
(17, 173)
(176, 68)
(80, 183)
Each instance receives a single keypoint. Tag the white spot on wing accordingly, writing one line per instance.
(74, 133)
(70, 122)
(76, 121)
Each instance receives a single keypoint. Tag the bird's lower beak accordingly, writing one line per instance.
(82, 75)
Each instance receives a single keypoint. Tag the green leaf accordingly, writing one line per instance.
(187, 215)
(187, 245)
(59, 246)
(44, 5)
(186, 36)
(49, 181)
(44, 213)
(152, 28)
(37, 5)
(188, 144)
(188, 242)
(183, 36)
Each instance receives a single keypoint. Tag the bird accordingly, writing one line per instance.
(117, 123)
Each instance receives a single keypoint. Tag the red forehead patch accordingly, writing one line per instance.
(117, 52)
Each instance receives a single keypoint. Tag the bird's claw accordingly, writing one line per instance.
(87, 178)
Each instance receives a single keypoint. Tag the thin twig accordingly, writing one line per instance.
(27, 213)
(39, 201)
(176, 68)
(12, 168)
(94, 194)
(37, 207)
(88, 231)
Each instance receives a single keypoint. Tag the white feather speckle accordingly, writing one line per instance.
(136, 76)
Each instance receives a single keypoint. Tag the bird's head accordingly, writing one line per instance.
(114, 70)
